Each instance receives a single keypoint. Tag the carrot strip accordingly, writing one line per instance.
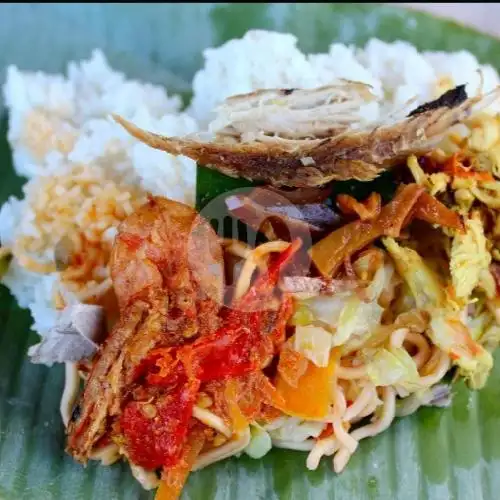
(174, 478)
(433, 211)
(454, 167)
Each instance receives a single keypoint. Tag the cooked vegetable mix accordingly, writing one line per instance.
(353, 307)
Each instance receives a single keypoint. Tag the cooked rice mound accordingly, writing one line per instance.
(397, 72)
(85, 175)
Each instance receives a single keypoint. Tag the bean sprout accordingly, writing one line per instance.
(70, 391)
(211, 420)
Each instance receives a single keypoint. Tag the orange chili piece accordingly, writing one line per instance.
(366, 210)
(454, 167)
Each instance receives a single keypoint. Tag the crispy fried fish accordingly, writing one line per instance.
(167, 269)
(301, 138)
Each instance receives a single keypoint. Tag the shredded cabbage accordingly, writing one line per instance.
(478, 324)
(357, 322)
(327, 309)
(477, 371)
(452, 336)
(302, 316)
(351, 319)
(420, 278)
(390, 367)
(260, 442)
(469, 258)
(446, 329)
(490, 338)
(487, 283)
(297, 430)
(314, 343)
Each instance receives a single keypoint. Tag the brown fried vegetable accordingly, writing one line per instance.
(329, 253)
(365, 210)
(411, 201)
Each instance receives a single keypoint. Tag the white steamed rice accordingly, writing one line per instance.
(59, 125)
(395, 70)
(76, 159)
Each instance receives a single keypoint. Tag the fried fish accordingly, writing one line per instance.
(304, 138)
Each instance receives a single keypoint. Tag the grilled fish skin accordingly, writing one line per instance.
(354, 150)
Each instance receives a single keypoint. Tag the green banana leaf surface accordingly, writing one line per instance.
(435, 454)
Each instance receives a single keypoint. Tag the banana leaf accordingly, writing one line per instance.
(435, 454)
